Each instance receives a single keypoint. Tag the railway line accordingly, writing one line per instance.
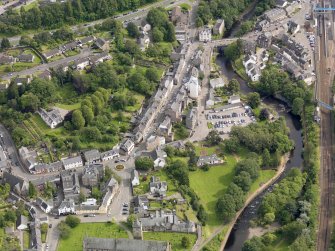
(324, 61)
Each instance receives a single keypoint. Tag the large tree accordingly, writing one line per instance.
(144, 163)
(78, 120)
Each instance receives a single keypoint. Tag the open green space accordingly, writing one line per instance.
(264, 176)
(26, 239)
(173, 238)
(215, 243)
(239, 68)
(69, 107)
(101, 230)
(210, 185)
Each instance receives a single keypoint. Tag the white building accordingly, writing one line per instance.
(109, 155)
(216, 83)
(135, 179)
(89, 202)
(127, 146)
(234, 99)
(66, 207)
(74, 162)
(205, 35)
(194, 88)
(52, 118)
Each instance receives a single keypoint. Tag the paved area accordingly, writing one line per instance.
(224, 120)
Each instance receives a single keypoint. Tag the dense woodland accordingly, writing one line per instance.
(55, 15)
(229, 10)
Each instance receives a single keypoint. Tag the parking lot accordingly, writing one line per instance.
(223, 120)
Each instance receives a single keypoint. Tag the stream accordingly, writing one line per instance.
(240, 231)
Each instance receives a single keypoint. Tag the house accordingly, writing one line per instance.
(209, 160)
(192, 118)
(86, 40)
(101, 44)
(4, 59)
(216, 83)
(55, 166)
(71, 187)
(249, 59)
(135, 179)
(205, 35)
(274, 15)
(165, 128)
(26, 58)
(261, 24)
(103, 244)
(110, 192)
(89, 202)
(157, 188)
(17, 184)
(165, 221)
(73, 162)
(249, 46)
(95, 59)
(22, 222)
(22, 80)
(234, 99)
(127, 146)
(52, 53)
(218, 27)
(109, 155)
(281, 3)
(254, 74)
(45, 75)
(143, 41)
(92, 156)
(45, 206)
(66, 207)
(92, 175)
(194, 87)
(52, 118)
(264, 40)
(293, 27)
(69, 46)
(154, 141)
(81, 63)
(145, 26)
(141, 204)
(211, 99)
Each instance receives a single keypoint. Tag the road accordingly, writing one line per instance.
(323, 93)
(65, 61)
(126, 17)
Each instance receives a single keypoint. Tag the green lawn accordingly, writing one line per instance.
(212, 184)
(238, 66)
(101, 230)
(173, 238)
(68, 107)
(26, 239)
(202, 150)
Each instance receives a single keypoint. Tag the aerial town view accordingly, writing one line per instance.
(159, 125)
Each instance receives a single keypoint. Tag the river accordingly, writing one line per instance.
(240, 230)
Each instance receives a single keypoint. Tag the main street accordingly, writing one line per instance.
(324, 62)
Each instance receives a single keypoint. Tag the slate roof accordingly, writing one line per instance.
(123, 245)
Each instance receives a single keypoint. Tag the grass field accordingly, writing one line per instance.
(173, 238)
(68, 107)
(26, 239)
(264, 176)
(210, 185)
(101, 230)
(238, 66)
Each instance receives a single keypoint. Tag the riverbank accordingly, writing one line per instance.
(259, 191)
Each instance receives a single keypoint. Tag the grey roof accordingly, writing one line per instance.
(14, 181)
(69, 46)
(87, 39)
(45, 74)
(91, 155)
(66, 204)
(141, 200)
(72, 160)
(234, 97)
(123, 245)
(4, 59)
(26, 57)
(22, 220)
(100, 42)
(70, 182)
(51, 53)
(112, 152)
